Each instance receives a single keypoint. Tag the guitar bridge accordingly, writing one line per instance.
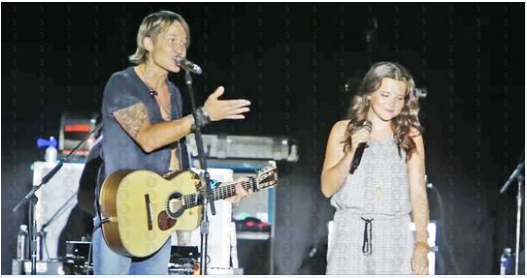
(148, 212)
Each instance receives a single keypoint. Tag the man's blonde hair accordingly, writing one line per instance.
(153, 25)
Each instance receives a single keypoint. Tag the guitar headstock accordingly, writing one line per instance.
(266, 177)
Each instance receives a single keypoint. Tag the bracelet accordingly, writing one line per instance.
(422, 244)
(205, 114)
(202, 119)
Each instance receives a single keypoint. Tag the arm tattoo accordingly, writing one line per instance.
(132, 118)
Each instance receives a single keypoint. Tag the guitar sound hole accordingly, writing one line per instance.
(175, 205)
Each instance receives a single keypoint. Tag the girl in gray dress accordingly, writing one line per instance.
(377, 201)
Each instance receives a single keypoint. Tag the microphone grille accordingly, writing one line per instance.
(178, 60)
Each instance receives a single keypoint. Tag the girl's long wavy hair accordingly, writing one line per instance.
(402, 123)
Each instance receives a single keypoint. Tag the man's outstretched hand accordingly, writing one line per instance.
(225, 109)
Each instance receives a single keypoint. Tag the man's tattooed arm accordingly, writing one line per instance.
(135, 121)
(132, 118)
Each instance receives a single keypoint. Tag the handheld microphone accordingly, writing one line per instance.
(187, 65)
(360, 149)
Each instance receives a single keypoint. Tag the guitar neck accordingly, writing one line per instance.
(224, 191)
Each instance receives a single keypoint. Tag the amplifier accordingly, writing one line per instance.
(78, 260)
(74, 127)
(246, 147)
(56, 201)
(23, 267)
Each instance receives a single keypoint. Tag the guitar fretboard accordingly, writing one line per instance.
(222, 192)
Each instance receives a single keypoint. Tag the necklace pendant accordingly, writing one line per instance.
(378, 193)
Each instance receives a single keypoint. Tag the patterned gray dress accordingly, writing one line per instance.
(371, 230)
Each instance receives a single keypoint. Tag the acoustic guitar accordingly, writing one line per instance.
(141, 209)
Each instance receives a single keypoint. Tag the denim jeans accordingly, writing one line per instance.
(107, 262)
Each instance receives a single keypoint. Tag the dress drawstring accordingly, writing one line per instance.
(368, 237)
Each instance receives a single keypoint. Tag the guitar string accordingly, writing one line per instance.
(220, 191)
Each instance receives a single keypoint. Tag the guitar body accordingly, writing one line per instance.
(137, 206)
(141, 209)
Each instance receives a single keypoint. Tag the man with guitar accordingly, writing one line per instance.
(144, 127)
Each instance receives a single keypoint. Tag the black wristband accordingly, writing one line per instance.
(201, 119)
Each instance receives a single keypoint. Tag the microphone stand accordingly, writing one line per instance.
(207, 194)
(32, 199)
(520, 178)
(43, 233)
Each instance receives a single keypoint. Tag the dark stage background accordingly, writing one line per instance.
(293, 61)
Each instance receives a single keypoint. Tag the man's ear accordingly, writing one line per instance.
(148, 43)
